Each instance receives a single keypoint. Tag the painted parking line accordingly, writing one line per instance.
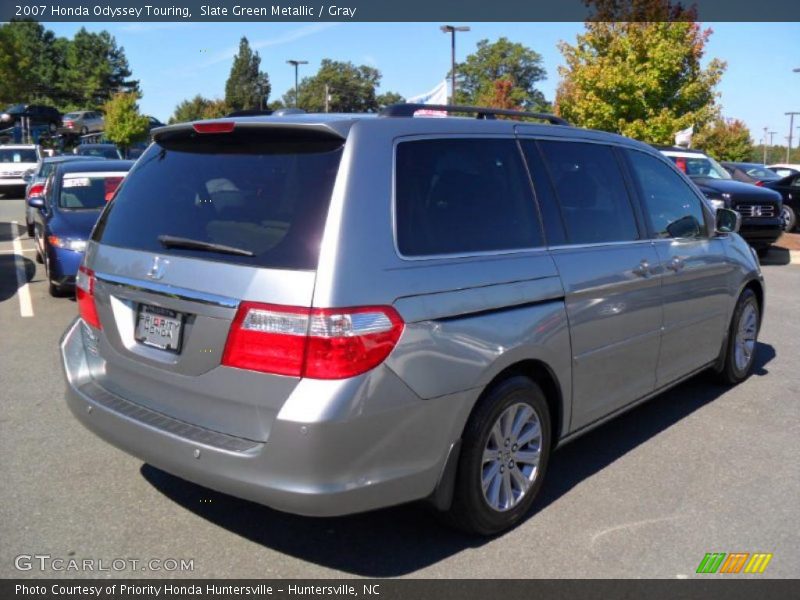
(29, 250)
(23, 291)
(795, 257)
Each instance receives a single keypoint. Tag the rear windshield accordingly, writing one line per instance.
(99, 152)
(72, 115)
(17, 155)
(88, 191)
(268, 198)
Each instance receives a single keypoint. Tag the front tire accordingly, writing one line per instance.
(740, 347)
(789, 219)
(504, 456)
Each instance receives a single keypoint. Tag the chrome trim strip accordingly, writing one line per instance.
(168, 290)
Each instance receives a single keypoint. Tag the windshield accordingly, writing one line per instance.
(267, 197)
(18, 155)
(700, 166)
(88, 191)
(15, 108)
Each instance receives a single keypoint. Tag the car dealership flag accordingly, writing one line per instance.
(437, 95)
(684, 137)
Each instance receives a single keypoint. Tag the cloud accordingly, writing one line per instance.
(289, 36)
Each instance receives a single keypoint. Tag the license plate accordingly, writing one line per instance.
(159, 327)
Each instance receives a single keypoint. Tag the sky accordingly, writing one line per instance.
(175, 61)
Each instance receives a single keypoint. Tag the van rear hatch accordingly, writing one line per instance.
(211, 216)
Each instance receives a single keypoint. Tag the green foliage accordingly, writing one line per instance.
(502, 60)
(247, 86)
(81, 73)
(775, 154)
(643, 80)
(124, 124)
(197, 108)
(351, 88)
(389, 98)
(725, 139)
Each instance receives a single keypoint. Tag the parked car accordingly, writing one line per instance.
(153, 122)
(749, 172)
(762, 223)
(15, 161)
(82, 122)
(98, 150)
(784, 170)
(330, 314)
(789, 189)
(35, 179)
(74, 194)
(37, 113)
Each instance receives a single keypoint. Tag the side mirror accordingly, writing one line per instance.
(27, 176)
(36, 202)
(728, 221)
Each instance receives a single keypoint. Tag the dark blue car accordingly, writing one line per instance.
(74, 195)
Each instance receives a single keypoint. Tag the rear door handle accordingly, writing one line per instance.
(643, 269)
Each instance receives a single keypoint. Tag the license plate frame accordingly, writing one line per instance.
(159, 327)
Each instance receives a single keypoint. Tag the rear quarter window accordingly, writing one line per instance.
(463, 196)
(270, 198)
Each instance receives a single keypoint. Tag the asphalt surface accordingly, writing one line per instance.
(700, 469)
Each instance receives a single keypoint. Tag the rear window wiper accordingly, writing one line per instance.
(171, 241)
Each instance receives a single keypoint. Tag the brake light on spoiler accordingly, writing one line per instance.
(214, 127)
(319, 343)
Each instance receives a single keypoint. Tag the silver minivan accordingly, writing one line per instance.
(329, 314)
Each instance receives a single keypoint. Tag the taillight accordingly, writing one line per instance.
(214, 127)
(36, 190)
(759, 183)
(84, 291)
(319, 343)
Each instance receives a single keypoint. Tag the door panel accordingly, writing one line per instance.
(696, 299)
(613, 301)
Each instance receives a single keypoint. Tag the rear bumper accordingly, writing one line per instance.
(761, 231)
(321, 467)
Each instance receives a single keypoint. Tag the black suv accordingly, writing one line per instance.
(39, 114)
(761, 209)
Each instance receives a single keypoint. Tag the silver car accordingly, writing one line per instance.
(330, 314)
(82, 122)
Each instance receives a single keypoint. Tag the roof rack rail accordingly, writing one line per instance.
(481, 112)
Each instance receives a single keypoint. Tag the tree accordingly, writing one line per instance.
(28, 62)
(500, 96)
(198, 108)
(389, 98)
(94, 69)
(351, 88)
(124, 125)
(247, 86)
(502, 60)
(644, 79)
(725, 139)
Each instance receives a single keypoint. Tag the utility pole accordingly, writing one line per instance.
(452, 31)
(765, 144)
(327, 97)
(296, 64)
(791, 127)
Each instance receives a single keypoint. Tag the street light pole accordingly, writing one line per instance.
(791, 127)
(452, 31)
(296, 64)
(765, 144)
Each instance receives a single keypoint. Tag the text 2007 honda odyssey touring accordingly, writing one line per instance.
(329, 314)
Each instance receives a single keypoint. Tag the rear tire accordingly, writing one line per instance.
(740, 347)
(504, 455)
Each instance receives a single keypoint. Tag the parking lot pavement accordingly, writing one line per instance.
(699, 469)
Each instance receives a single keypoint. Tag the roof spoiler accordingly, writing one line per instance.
(481, 112)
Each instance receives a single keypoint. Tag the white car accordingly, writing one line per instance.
(785, 169)
(15, 160)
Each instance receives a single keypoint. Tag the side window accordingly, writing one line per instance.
(673, 208)
(459, 196)
(591, 190)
